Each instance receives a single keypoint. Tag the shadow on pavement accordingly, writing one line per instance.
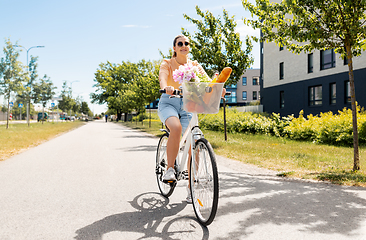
(147, 148)
(151, 208)
(316, 207)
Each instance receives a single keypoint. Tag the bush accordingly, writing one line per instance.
(328, 128)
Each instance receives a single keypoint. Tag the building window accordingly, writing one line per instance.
(347, 95)
(255, 95)
(315, 96)
(282, 99)
(255, 80)
(327, 59)
(333, 93)
(244, 95)
(281, 70)
(244, 81)
(310, 63)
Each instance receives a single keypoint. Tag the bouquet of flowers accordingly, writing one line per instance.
(189, 73)
(201, 95)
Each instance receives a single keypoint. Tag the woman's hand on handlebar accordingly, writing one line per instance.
(223, 92)
(169, 90)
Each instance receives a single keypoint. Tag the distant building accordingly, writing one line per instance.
(315, 82)
(246, 90)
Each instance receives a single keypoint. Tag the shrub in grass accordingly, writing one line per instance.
(328, 128)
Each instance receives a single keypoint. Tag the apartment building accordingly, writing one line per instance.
(315, 82)
(246, 90)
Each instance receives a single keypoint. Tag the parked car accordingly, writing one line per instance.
(41, 117)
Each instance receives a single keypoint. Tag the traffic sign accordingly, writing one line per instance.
(11, 104)
(20, 105)
(52, 104)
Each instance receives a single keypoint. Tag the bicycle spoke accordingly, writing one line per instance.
(204, 182)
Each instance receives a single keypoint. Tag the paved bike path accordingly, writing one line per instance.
(98, 182)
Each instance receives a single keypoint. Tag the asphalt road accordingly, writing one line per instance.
(98, 182)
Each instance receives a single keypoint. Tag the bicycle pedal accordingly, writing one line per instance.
(169, 181)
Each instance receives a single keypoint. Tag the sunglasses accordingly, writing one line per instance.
(180, 44)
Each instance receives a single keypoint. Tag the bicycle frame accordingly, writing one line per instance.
(187, 140)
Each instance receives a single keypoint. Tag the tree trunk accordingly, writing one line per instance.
(356, 158)
(119, 114)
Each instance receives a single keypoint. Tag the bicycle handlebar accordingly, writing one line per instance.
(178, 92)
(175, 92)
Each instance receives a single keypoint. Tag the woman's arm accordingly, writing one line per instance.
(163, 78)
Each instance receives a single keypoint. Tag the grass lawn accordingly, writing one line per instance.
(19, 137)
(290, 158)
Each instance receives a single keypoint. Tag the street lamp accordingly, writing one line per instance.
(28, 102)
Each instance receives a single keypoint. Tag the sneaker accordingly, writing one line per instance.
(189, 197)
(169, 175)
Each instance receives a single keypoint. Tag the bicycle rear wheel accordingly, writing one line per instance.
(204, 182)
(166, 189)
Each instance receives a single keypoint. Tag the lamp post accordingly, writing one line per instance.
(28, 102)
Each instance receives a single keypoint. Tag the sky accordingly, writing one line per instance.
(78, 35)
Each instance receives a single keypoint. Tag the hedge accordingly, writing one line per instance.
(328, 128)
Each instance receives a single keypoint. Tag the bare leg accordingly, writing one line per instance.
(175, 128)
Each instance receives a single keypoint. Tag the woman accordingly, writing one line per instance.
(170, 110)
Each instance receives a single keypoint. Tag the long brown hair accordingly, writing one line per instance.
(175, 42)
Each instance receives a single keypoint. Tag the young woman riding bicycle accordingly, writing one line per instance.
(170, 110)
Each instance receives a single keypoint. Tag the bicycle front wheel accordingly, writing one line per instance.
(204, 182)
(166, 189)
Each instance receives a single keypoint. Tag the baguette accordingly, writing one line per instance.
(224, 75)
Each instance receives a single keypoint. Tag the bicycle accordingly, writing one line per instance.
(203, 177)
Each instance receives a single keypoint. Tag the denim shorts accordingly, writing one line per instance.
(173, 107)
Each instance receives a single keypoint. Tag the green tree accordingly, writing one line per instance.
(216, 44)
(126, 87)
(146, 84)
(11, 74)
(43, 92)
(26, 94)
(84, 108)
(67, 102)
(16, 110)
(108, 84)
(170, 54)
(305, 25)
(4, 108)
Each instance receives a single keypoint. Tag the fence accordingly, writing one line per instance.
(255, 109)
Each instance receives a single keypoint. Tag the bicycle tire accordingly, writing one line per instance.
(204, 182)
(166, 189)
